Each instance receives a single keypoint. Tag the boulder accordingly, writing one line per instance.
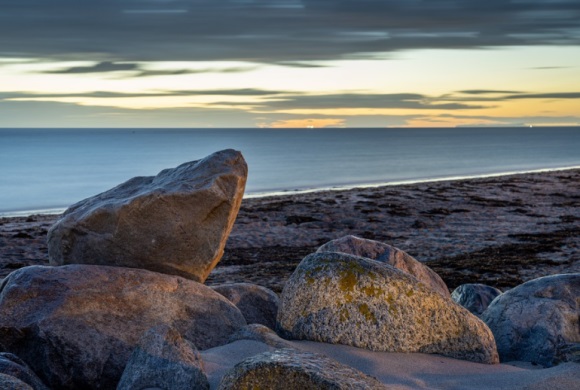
(385, 253)
(475, 297)
(163, 359)
(261, 333)
(175, 223)
(76, 325)
(343, 299)
(288, 369)
(13, 366)
(538, 321)
(258, 304)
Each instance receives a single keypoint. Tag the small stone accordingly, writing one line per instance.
(288, 369)
(258, 304)
(475, 297)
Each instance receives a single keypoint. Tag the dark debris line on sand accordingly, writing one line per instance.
(499, 231)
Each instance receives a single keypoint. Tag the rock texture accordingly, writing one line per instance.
(12, 383)
(288, 369)
(475, 297)
(258, 304)
(165, 360)
(76, 325)
(175, 223)
(13, 366)
(538, 321)
(261, 333)
(343, 299)
(385, 253)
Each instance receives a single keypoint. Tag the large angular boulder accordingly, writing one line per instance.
(163, 359)
(258, 304)
(385, 253)
(288, 369)
(475, 297)
(175, 223)
(77, 325)
(343, 299)
(538, 321)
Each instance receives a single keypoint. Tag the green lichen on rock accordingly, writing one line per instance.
(368, 304)
(366, 312)
(372, 290)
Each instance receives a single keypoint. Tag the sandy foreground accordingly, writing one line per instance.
(401, 371)
(500, 231)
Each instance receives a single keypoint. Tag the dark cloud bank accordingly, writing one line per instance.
(292, 32)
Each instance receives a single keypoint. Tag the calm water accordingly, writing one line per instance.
(46, 169)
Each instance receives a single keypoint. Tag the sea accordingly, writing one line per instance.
(47, 170)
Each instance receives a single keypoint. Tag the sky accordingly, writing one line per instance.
(289, 63)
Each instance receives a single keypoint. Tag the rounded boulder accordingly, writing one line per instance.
(538, 321)
(343, 299)
(76, 326)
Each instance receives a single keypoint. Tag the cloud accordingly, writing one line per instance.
(274, 31)
(279, 100)
(61, 115)
(366, 101)
(105, 94)
(498, 96)
(550, 95)
(485, 92)
(54, 114)
(149, 73)
(101, 67)
(138, 70)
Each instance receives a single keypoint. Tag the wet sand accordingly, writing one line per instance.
(501, 231)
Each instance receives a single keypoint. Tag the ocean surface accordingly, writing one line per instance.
(47, 170)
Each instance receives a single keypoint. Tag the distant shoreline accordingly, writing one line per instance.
(344, 187)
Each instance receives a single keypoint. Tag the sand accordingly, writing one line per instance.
(409, 371)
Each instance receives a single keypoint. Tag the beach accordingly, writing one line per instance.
(500, 231)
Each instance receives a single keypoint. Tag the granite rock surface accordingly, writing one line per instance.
(261, 333)
(163, 359)
(13, 366)
(475, 297)
(538, 321)
(288, 369)
(76, 325)
(343, 299)
(175, 223)
(258, 304)
(388, 254)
